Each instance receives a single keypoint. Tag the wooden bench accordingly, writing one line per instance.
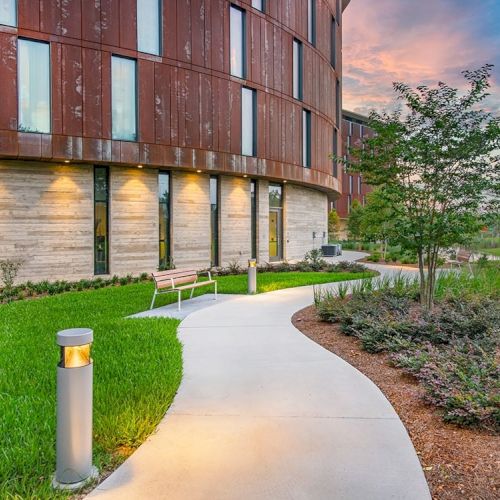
(179, 280)
(463, 257)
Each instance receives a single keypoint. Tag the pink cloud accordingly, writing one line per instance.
(416, 42)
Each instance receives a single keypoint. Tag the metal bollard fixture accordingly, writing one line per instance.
(252, 276)
(74, 410)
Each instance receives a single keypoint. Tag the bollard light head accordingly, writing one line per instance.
(75, 347)
(252, 263)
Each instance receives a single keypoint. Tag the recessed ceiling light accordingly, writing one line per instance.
(285, 181)
(199, 171)
(245, 175)
(139, 166)
(66, 161)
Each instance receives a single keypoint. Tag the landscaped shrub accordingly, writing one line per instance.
(375, 257)
(452, 350)
(315, 259)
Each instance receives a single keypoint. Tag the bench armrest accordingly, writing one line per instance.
(208, 273)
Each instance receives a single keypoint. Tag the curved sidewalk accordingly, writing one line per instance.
(263, 412)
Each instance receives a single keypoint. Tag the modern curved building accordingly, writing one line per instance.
(137, 133)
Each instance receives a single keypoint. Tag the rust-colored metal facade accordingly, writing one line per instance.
(189, 109)
(354, 127)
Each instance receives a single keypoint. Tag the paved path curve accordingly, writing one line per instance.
(263, 412)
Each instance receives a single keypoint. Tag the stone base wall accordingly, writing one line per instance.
(47, 212)
(306, 212)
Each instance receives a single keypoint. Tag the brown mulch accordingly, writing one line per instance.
(458, 463)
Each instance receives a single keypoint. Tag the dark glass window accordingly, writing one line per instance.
(237, 37)
(275, 195)
(338, 102)
(311, 21)
(253, 216)
(164, 219)
(149, 26)
(297, 69)
(214, 220)
(333, 43)
(248, 122)
(335, 152)
(101, 220)
(306, 138)
(8, 12)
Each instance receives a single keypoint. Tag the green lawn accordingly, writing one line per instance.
(490, 251)
(137, 363)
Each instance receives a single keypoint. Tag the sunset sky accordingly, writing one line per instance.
(416, 41)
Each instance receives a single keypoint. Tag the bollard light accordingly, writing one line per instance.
(74, 410)
(252, 276)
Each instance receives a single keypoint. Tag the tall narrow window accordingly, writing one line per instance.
(8, 12)
(124, 98)
(311, 21)
(349, 203)
(101, 217)
(253, 217)
(360, 181)
(306, 138)
(34, 86)
(259, 5)
(297, 69)
(149, 26)
(333, 43)
(248, 122)
(335, 152)
(339, 10)
(164, 218)
(275, 222)
(214, 221)
(350, 184)
(338, 102)
(237, 39)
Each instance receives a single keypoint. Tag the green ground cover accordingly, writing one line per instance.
(137, 363)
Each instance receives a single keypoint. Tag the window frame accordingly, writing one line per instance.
(16, 17)
(244, 69)
(254, 197)
(335, 152)
(333, 43)
(136, 103)
(263, 3)
(160, 29)
(107, 204)
(168, 237)
(306, 138)
(214, 222)
(253, 124)
(311, 22)
(297, 69)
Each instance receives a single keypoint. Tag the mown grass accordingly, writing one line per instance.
(137, 370)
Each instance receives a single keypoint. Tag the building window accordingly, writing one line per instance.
(360, 181)
(8, 12)
(164, 219)
(348, 145)
(338, 102)
(124, 98)
(275, 222)
(335, 152)
(339, 10)
(214, 220)
(349, 203)
(333, 43)
(361, 131)
(238, 45)
(149, 26)
(253, 217)
(311, 21)
(350, 128)
(259, 5)
(101, 218)
(306, 138)
(350, 184)
(34, 86)
(297, 69)
(248, 122)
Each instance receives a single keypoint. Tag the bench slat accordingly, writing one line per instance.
(171, 273)
(195, 285)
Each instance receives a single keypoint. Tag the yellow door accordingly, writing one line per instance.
(273, 235)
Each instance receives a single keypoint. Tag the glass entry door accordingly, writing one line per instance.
(275, 235)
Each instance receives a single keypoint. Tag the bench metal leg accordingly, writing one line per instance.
(153, 301)
(179, 300)
(215, 284)
(191, 295)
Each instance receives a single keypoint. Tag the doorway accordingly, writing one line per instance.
(275, 235)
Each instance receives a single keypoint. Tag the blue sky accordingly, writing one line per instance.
(416, 41)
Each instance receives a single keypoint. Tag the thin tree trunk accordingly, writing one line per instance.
(422, 278)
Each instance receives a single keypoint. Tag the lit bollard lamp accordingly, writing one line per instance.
(74, 410)
(252, 276)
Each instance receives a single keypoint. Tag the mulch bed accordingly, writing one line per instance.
(458, 463)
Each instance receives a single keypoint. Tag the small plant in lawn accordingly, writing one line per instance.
(315, 259)
(8, 272)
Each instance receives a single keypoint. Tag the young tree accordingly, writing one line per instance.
(378, 219)
(354, 220)
(333, 224)
(438, 164)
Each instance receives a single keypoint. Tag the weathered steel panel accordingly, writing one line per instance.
(72, 90)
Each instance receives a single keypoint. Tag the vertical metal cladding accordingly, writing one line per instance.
(188, 104)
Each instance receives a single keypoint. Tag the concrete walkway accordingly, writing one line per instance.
(263, 412)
